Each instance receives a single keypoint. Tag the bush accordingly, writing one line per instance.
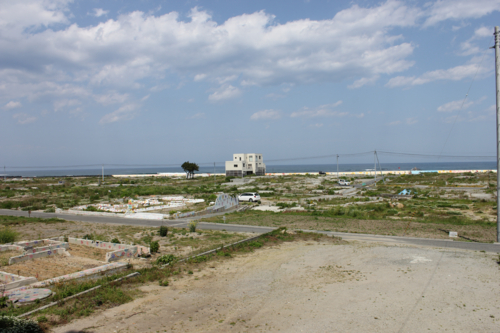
(7, 236)
(166, 259)
(154, 247)
(164, 283)
(192, 226)
(115, 240)
(42, 319)
(163, 231)
(11, 324)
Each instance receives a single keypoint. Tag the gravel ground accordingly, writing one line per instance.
(314, 287)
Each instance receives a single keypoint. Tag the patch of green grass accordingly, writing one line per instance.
(8, 236)
(21, 220)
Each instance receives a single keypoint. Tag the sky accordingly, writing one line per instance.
(163, 82)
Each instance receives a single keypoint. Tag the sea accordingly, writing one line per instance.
(470, 165)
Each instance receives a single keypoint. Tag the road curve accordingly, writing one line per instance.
(182, 223)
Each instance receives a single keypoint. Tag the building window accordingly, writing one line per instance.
(243, 164)
(250, 159)
(236, 158)
(236, 165)
(240, 158)
(249, 165)
(260, 157)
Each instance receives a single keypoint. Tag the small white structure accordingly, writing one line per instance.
(245, 164)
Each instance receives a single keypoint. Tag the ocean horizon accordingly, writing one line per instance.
(475, 165)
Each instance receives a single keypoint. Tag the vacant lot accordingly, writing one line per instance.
(320, 287)
(482, 232)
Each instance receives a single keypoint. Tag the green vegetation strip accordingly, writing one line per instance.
(79, 294)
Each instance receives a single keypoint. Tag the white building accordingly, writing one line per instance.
(245, 164)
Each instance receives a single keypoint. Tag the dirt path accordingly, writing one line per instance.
(311, 287)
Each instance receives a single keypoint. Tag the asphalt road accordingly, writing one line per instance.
(182, 223)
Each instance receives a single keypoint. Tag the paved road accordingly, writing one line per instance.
(182, 223)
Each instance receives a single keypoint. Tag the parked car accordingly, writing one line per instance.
(322, 173)
(249, 196)
(343, 182)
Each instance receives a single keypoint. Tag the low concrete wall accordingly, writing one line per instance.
(121, 254)
(117, 251)
(31, 256)
(48, 247)
(99, 244)
(13, 281)
(86, 274)
(11, 248)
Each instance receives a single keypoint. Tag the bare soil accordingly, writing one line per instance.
(51, 267)
(319, 287)
(87, 252)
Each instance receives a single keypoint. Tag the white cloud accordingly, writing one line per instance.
(363, 81)
(459, 104)
(266, 114)
(251, 48)
(454, 105)
(483, 32)
(224, 92)
(274, 96)
(125, 112)
(321, 111)
(98, 12)
(199, 115)
(12, 105)
(111, 97)
(65, 103)
(442, 10)
(455, 74)
(359, 116)
(394, 123)
(411, 121)
(23, 118)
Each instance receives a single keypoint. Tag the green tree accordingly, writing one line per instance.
(189, 169)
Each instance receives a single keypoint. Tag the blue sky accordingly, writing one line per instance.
(138, 82)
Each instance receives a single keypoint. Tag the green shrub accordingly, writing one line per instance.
(11, 324)
(164, 283)
(115, 240)
(192, 226)
(166, 259)
(42, 319)
(392, 211)
(255, 244)
(8, 236)
(163, 231)
(451, 212)
(154, 247)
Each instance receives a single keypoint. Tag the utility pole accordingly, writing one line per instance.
(375, 164)
(337, 167)
(497, 75)
(214, 174)
(103, 173)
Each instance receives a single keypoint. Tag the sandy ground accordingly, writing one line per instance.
(50, 267)
(82, 257)
(313, 287)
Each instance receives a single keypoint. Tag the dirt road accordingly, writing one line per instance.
(311, 287)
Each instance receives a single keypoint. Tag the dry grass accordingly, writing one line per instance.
(391, 227)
